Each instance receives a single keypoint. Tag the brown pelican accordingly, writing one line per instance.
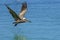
(19, 18)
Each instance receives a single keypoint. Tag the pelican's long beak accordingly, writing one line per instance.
(28, 21)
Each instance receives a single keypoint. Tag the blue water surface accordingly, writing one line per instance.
(44, 14)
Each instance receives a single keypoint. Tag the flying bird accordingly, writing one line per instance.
(21, 17)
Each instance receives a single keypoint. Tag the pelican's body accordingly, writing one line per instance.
(19, 18)
(20, 21)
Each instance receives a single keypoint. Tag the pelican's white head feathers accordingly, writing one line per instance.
(24, 18)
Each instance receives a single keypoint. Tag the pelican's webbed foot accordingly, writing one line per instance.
(15, 23)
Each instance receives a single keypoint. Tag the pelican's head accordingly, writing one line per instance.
(26, 20)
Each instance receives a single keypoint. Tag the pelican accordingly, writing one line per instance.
(19, 18)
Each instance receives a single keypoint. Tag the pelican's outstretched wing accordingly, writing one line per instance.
(23, 10)
(15, 16)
